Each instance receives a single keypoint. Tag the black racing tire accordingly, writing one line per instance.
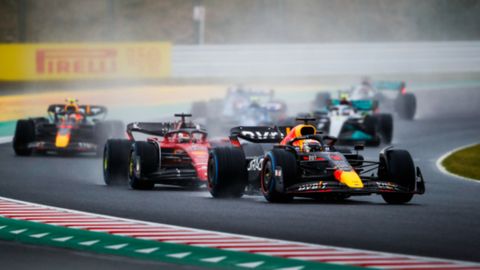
(115, 161)
(406, 106)
(24, 134)
(385, 126)
(398, 167)
(227, 172)
(370, 125)
(287, 161)
(199, 109)
(144, 159)
(321, 100)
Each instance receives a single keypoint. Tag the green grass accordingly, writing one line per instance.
(465, 162)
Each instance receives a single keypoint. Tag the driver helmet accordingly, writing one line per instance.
(311, 146)
(344, 99)
(183, 137)
(71, 106)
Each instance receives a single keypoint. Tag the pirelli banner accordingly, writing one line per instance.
(70, 61)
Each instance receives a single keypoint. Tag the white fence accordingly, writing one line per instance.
(302, 60)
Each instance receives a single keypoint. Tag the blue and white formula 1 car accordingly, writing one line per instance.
(384, 96)
(350, 125)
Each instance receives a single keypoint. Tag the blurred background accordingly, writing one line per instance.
(239, 22)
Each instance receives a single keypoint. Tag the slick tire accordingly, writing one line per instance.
(398, 167)
(385, 125)
(406, 106)
(370, 124)
(115, 161)
(24, 134)
(268, 183)
(144, 159)
(227, 172)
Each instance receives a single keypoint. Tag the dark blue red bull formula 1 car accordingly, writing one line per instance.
(304, 163)
(70, 128)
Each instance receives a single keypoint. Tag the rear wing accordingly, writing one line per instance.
(149, 128)
(260, 134)
(87, 110)
(389, 85)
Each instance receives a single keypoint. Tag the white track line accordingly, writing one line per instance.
(7, 139)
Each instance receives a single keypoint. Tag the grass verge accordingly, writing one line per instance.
(465, 162)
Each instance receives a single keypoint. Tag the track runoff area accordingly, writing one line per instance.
(46, 225)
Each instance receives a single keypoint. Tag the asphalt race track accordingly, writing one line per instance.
(445, 222)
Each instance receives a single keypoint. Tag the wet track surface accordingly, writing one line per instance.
(445, 222)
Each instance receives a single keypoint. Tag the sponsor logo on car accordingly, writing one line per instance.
(312, 186)
(255, 164)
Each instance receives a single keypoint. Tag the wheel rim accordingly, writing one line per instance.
(105, 160)
(211, 173)
(131, 166)
(267, 176)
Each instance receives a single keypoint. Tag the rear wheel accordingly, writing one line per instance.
(406, 106)
(115, 161)
(271, 188)
(398, 167)
(370, 124)
(144, 159)
(24, 134)
(227, 173)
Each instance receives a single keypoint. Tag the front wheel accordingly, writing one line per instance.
(227, 172)
(397, 166)
(115, 161)
(144, 159)
(24, 134)
(279, 170)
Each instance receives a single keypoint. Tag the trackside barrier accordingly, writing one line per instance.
(73, 61)
(300, 60)
(154, 60)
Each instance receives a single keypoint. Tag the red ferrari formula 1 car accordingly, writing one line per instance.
(175, 154)
(304, 163)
